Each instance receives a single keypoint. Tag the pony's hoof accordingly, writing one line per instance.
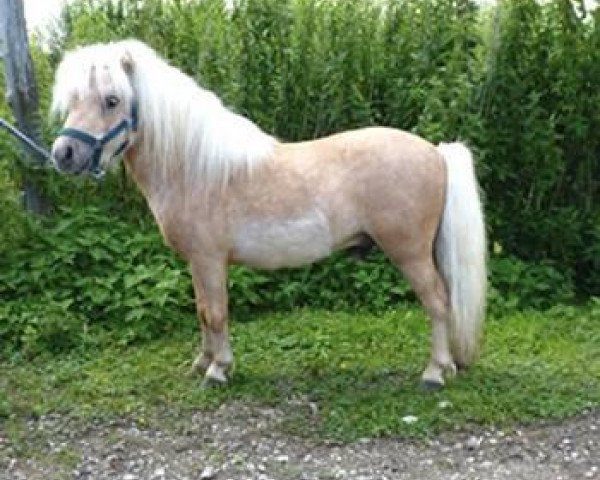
(215, 376)
(430, 385)
(210, 383)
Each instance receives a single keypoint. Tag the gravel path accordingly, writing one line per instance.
(241, 442)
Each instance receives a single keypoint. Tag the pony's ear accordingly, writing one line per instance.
(127, 63)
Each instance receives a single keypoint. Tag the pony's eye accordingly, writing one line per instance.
(111, 101)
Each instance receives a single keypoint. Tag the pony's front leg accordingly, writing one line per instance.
(210, 286)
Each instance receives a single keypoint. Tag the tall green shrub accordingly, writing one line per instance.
(541, 122)
(518, 84)
(520, 87)
(12, 226)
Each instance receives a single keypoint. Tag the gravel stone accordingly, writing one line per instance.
(209, 473)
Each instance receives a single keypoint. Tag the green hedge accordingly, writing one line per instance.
(541, 123)
(518, 84)
(85, 277)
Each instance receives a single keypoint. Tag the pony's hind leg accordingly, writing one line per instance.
(431, 290)
(210, 286)
(426, 281)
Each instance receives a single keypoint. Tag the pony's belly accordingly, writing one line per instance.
(285, 242)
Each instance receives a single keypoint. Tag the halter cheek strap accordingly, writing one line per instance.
(98, 142)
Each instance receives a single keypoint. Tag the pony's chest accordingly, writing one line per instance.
(282, 242)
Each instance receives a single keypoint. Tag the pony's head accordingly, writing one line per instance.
(93, 91)
(184, 130)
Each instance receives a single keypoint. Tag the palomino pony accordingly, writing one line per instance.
(224, 192)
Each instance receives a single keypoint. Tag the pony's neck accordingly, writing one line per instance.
(160, 195)
(140, 176)
(187, 135)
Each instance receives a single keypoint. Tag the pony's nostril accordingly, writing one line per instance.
(64, 156)
(68, 153)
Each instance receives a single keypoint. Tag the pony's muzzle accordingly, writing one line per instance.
(70, 155)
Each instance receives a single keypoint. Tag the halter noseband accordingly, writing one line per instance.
(98, 142)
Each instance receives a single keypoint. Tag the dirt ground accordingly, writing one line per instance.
(241, 442)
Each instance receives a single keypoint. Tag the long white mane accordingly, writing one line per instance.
(181, 124)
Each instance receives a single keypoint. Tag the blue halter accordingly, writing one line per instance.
(97, 143)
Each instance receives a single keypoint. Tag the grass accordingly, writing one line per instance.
(361, 372)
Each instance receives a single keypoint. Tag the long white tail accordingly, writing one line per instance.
(460, 251)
